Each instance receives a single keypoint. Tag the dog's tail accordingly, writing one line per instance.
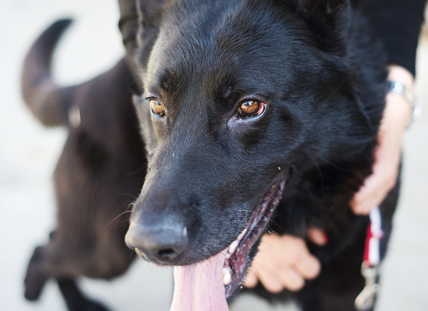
(48, 102)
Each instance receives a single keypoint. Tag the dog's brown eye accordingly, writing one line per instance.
(250, 108)
(157, 107)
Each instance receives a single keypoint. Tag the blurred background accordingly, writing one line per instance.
(28, 154)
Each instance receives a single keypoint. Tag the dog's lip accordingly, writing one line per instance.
(237, 262)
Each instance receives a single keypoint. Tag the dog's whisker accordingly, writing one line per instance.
(123, 221)
(336, 90)
(137, 171)
(332, 164)
(246, 225)
(322, 179)
(147, 72)
(264, 242)
(126, 194)
(121, 214)
(268, 218)
(131, 84)
(264, 229)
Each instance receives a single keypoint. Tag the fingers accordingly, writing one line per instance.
(251, 279)
(282, 262)
(301, 260)
(377, 185)
(286, 277)
(317, 236)
(291, 279)
(274, 280)
(370, 195)
(270, 281)
(309, 267)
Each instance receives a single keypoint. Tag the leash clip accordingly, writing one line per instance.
(365, 300)
(370, 266)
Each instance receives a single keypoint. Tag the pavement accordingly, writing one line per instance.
(28, 153)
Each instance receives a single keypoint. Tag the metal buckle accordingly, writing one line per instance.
(365, 300)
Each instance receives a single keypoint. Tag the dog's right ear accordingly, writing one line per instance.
(149, 16)
(148, 19)
(138, 20)
(149, 12)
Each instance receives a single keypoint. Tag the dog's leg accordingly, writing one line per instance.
(46, 263)
(74, 298)
(50, 260)
(35, 278)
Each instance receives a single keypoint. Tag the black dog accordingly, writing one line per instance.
(255, 110)
(102, 164)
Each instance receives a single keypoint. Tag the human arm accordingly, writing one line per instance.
(388, 152)
(397, 23)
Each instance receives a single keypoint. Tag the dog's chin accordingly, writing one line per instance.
(243, 249)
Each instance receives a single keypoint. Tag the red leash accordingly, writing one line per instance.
(369, 268)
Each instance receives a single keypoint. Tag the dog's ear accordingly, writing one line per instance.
(328, 20)
(149, 15)
(138, 21)
(322, 6)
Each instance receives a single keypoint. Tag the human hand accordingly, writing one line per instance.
(388, 151)
(284, 262)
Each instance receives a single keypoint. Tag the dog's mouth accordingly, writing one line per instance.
(238, 254)
(206, 285)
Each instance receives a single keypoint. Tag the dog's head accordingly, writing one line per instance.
(237, 92)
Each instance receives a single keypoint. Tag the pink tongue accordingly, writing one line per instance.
(199, 287)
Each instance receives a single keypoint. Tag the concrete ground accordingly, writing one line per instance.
(28, 153)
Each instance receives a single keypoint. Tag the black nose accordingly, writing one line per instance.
(161, 241)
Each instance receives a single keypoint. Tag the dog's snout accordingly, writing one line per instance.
(158, 242)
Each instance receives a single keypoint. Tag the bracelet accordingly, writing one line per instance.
(398, 88)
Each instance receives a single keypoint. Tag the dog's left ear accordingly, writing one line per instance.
(328, 20)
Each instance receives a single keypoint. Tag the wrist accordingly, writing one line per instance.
(400, 74)
(400, 86)
(397, 113)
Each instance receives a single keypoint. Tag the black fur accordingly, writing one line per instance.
(321, 75)
(100, 172)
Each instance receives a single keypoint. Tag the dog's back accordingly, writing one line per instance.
(100, 171)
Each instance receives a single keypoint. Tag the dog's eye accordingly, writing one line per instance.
(251, 108)
(157, 107)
